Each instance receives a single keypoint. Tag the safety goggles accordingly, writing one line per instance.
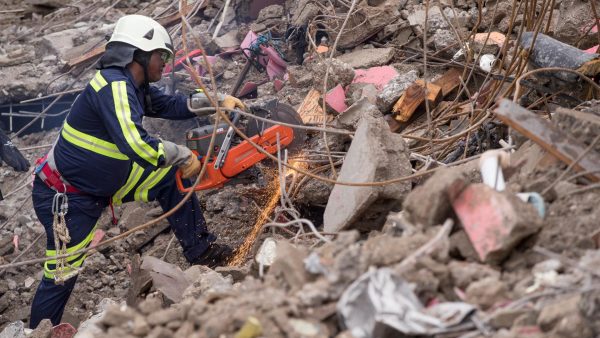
(165, 56)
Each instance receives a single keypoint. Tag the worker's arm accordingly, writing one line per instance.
(171, 107)
(122, 114)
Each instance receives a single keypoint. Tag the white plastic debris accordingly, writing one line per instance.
(381, 298)
(267, 252)
(486, 62)
(491, 164)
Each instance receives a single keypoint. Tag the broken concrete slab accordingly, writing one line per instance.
(289, 263)
(429, 204)
(366, 58)
(394, 89)
(376, 154)
(340, 73)
(495, 222)
(350, 118)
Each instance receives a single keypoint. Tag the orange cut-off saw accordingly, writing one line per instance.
(229, 159)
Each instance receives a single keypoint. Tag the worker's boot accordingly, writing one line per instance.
(215, 255)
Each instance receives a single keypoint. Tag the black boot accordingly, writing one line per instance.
(215, 255)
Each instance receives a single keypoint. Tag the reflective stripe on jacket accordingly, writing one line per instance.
(103, 136)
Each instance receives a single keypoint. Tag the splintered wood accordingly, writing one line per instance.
(415, 95)
(311, 111)
(553, 140)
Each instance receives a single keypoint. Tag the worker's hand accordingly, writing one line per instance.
(231, 102)
(191, 168)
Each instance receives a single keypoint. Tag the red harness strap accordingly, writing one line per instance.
(48, 173)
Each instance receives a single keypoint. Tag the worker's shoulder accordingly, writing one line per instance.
(114, 74)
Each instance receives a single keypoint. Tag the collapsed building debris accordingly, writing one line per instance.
(385, 223)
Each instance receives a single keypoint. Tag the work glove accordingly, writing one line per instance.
(190, 168)
(231, 102)
(11, 155)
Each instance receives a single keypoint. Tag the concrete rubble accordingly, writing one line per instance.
(414, 239)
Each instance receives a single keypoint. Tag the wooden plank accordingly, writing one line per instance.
(553, 140)
(583, 116)
(413, 97)
(449, 81)
(434, 93)
(311, 111)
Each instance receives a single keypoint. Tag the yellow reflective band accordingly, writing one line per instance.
(74, 261)
(134, 177)
(141, 193)
(92, 143)
(98, 82)
(132, 135)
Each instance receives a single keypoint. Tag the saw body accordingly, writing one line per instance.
(228, 161)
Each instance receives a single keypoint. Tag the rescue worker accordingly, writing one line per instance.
(103, 156)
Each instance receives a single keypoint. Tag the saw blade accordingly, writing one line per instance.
(278, 112)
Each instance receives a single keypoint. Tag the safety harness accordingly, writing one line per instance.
(45, 168)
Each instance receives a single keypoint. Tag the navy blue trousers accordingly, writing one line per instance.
(187, 223)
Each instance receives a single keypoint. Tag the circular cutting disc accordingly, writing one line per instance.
(277, 112)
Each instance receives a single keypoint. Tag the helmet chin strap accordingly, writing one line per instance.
(143, 58)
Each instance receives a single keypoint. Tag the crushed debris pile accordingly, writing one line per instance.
(463, 137)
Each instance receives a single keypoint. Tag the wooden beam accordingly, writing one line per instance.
(552, 139)
(311, 111)
(413, 97)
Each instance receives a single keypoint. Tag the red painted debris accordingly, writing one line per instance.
(336, 99)
(593, 50)
(378, 76)
(276, 66)
(98, 235)
(278, 84)
(492, 222)
(182, 58)
(63, 330)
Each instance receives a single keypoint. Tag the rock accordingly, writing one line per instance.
(376, 154)
(59, 43)
(289, 263)
(357, 91)
(445, 42)
(351, 117)
(270, 12)
(429, 204)
(494, 221)
(14, 330)
(564, 319)
(43, 330)
(227, 41)
(505, 318)
(394, 89)
(384, 250)
(574, 17)
(464, 273)
(167, 315)
(150, 305)
(366, 58)
(340, 73)
(118, 315)
(29, 281)
(486, 292)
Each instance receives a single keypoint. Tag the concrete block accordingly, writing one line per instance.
(376, 154)
(350, 117)
(336, 99)
(429, 203)
(494, 221)
(394, 89)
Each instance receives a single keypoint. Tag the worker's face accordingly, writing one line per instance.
(157, 64)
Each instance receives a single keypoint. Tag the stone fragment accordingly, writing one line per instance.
(445, 42)
(43, 330)
(227, 41)
(340, 73)
(464, 273)
(357, 91)
(429, 204)
(336, 99)
(487, 292)
(14, 330)
(394, 89)
(376, 154)
(505, 318)
(167, 315)
(384, 250)
(59, 43)
(366, 58)
(289, 263)
(494, 221)
(150, 305)
(118, 315)
(350, 118)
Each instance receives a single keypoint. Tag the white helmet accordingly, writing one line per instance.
(142, 32)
